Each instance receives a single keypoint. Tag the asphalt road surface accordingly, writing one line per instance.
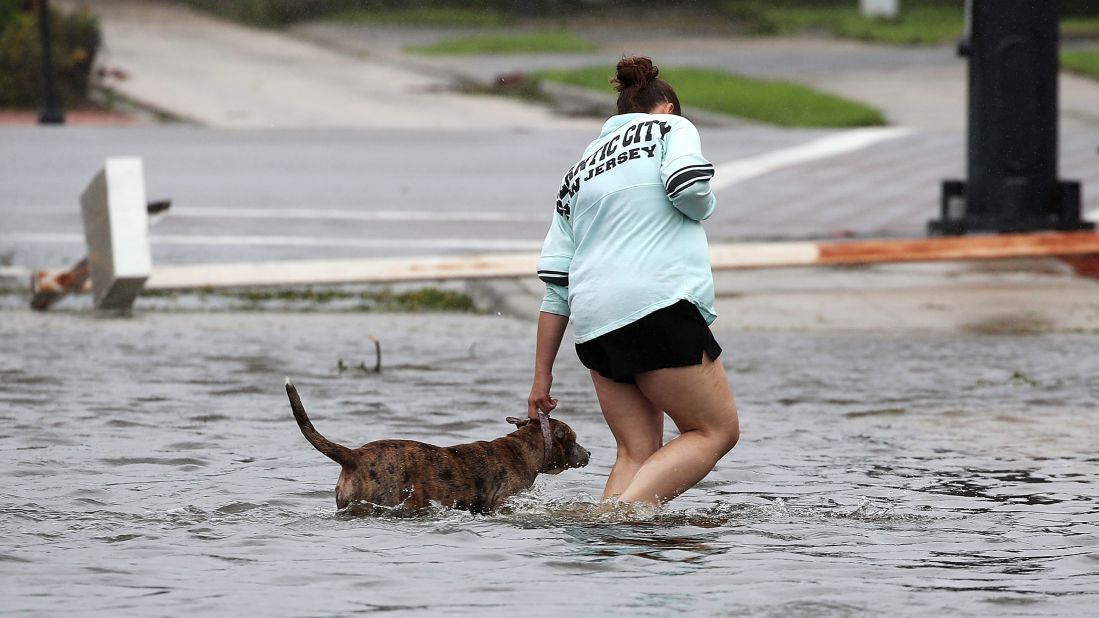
(241, 195)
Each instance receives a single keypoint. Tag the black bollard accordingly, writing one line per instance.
(51, 112)
(1012, 183)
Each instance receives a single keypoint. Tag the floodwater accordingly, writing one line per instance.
(151, 467)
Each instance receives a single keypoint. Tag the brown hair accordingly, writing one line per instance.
(639, 88)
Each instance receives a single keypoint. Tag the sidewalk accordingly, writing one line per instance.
(220, 74)
(1003, 297)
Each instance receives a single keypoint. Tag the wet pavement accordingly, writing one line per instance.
(297, 194)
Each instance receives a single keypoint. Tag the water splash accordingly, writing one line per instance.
(533, 509)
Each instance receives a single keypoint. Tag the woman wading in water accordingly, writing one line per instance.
(626, 260)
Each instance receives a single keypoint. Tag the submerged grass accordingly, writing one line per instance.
(529, 43)
(782, 103)
(1083, 62)
(421, 300)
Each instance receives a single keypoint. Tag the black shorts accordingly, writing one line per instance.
(674, 336)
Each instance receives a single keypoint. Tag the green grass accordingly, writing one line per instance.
(532, 43)
(1080, 27)
(1082, 62)
(776, 102)
(427, 16)
(917, 23)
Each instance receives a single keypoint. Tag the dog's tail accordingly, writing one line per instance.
(340, 454)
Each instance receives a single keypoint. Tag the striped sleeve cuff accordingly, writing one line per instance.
(687, 176)
(556, 277)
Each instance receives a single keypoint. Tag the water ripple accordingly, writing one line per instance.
(876, 474)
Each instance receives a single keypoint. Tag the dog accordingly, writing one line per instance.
(476, 477)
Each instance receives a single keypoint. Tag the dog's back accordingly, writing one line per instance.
(477, 476)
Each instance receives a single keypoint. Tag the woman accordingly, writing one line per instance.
(626, 260)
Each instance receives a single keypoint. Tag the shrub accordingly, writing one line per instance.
(1079, 8)
(76, 41)
(9, 10)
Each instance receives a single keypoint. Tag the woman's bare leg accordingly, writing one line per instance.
(637, 425)
(699, 400)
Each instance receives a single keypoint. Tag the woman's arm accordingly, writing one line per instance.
(686, 173)
(551, 329)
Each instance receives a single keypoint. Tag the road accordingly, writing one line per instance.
(297, 194)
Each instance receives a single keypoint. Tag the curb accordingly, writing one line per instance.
(513, 298)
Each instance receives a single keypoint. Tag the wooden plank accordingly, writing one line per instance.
(959, 248)
(48, 287)
(734, 256)
(724, 257)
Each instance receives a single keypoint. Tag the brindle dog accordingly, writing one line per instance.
(476, 477)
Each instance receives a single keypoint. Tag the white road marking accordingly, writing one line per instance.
(733, 172)
(493, 244)
(332, 214)
(352, 213)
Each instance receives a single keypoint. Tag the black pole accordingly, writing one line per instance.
(1012, 183)
(51, 112)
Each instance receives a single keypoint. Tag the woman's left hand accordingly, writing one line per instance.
(540, 396)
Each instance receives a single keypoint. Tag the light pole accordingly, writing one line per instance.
(51, 112)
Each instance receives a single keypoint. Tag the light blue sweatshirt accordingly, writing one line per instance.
(627, 237)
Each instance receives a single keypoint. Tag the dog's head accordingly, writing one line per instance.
(566, 452)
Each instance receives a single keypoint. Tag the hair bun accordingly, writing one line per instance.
(634, 72)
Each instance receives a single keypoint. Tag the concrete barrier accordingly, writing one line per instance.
(116, 228)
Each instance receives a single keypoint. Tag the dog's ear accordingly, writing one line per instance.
(518, 422)
(560, 433)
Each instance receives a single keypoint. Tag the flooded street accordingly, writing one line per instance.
(152, 467)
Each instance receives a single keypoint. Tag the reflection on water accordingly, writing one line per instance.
(153, 468)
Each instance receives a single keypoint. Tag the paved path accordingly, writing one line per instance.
(922, 86)
(330, 74)
(221, 74)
